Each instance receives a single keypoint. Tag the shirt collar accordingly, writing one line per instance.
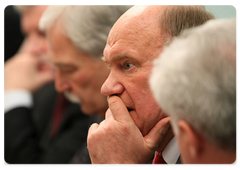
(171, 152)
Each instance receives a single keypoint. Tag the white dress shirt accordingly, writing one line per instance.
(17, 98)
(171, 152)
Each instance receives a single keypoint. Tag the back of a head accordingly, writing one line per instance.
(86, 26)
(195, 80)
(176, 18)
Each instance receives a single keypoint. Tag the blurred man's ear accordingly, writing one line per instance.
(189, 140)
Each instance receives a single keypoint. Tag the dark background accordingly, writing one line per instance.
(11, 31)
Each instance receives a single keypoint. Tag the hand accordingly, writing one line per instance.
(25, 71)
(118, 140)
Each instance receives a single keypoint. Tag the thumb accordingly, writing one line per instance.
(157, 133)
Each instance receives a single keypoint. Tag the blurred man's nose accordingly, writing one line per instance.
(61, 84)
(112, 86)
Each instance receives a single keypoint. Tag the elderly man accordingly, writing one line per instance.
(194, 81)
(77, 36)
(134, 122)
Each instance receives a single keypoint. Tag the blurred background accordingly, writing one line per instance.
(222, 11)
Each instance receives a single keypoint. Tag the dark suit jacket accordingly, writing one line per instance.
(82, 155)
(27, 138)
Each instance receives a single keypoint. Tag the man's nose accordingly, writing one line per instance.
(112, 86)
(61, 84)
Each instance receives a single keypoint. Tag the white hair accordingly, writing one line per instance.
(194, 79)
(86, 26)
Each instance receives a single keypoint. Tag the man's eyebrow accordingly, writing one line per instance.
(120, 57)
(117, 58)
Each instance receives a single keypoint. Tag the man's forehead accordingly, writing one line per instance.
(136, 30)
(130, 16)
(135, 11)
(135, 19)
(143, 11)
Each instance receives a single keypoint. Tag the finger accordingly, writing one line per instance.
(118, 109)
(157, 133)
(93, 128)
(166, 139)
(91, 133)
(108, 114)
(102, 123)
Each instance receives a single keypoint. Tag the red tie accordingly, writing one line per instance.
(59, 109)
(158, 159)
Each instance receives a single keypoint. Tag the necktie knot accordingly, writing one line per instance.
(158, 159)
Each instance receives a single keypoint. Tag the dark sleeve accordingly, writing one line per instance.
(20, 140)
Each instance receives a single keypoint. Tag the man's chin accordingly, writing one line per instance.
(71, 97)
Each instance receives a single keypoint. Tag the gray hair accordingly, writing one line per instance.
(86, 26)
(176, 18)
(22, 8)
(194, 79)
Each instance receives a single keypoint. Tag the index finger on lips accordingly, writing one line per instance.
(118, 109)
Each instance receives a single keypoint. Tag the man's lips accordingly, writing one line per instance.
(129, 109)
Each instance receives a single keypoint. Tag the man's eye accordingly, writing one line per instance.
(128, 65)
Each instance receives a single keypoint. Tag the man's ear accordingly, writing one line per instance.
(191, 139)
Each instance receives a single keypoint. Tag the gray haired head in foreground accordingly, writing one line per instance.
(194, 79)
